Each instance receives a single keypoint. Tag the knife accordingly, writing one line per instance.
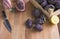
(6, 22)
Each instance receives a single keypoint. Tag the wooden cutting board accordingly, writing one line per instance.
(19, 31)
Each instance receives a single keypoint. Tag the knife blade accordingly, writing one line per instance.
(6, 22)
(7, 25)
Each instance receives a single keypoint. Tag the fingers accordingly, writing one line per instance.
(7, 4)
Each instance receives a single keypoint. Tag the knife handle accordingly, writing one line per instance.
(4, 15)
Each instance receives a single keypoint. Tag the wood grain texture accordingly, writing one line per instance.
(19, 31)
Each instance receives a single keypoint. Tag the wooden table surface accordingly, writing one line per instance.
(19, 31)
